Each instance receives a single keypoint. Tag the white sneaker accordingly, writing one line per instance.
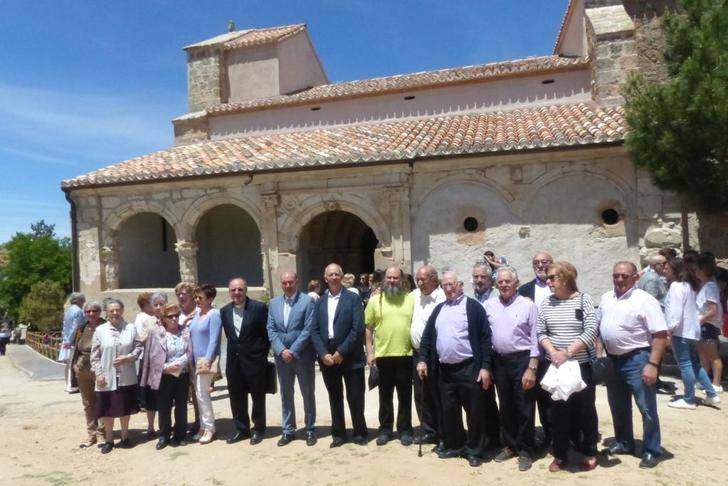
(718, 389)
(712, 400)
(681, 403)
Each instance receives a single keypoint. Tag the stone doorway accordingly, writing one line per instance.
(338, 237)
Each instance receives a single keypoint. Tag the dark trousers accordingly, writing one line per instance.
(395, 372)
(427, 401)
(543, 400)
(173, 391)
(517, 406)
(335, 379)
(239, 387)
(576, 417)
(459, 391)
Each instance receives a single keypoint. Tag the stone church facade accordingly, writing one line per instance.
(276, 168)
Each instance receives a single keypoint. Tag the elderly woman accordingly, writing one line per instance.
(348, 281)
(81, 365)
(567, 330)
(710, 316)
(165, 370)
(205, 338)
(114, 350)
(682, 319)
(148, 395)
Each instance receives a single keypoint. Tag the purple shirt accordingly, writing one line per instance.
(453, 342)
(513, 324)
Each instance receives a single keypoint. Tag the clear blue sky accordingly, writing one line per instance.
(85, 84)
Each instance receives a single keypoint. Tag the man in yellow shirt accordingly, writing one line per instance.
(388, 317)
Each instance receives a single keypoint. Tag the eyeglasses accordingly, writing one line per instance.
(552, 277)
(237, 290)
(173, 316)
(622, 276)
(542, 262)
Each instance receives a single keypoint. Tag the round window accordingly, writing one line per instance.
(610, 216)
(470, 224)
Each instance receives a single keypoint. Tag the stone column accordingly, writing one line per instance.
(269, 245)
(187, 252)
(110, 261)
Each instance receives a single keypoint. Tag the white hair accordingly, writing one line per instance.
(506, 268)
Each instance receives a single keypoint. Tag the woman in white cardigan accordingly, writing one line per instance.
(114, 351)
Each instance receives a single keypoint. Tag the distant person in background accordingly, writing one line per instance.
(4, 337)
(72, 319)
(348, 281)
(651, 280)
(85, 377)
(375, 282)
(363, 286)
(495, 262)
(314, 289)
(409, 282)
(710, 316)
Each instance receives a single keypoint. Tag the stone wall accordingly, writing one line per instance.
(204, 79)
(191, 129)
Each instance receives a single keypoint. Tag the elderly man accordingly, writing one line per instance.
(388, 317)
(512, 319)
(289, 329)
(72, 320)
(651, 280)
(337, 334)
(427, 296)
(483, 283)
(244, 321)
(457, 341)
(538, 290)
(634, 333)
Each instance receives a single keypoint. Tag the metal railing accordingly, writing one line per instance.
(47, 344)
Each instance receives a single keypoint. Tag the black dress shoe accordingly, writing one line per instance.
(256, 438)
(359, 440)
(238, 437)
(440, 447)
(406, 439)
(106, 447)
(311, 439)
(475, 461)
(285, 440)
(382, 439)
(178, 442)
(648, 461)
(449, 453)
(337, 442)
(124, 444)
(618, 450)
(161, 443)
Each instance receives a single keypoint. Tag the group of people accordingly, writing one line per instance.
(458, 351)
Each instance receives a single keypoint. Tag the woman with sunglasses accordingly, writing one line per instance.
(165, 370)
(567, 329)
(205, 339)
(114, 351)
(81, 365)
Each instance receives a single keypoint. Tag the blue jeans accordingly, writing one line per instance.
(628, 381)
(690, 369)
(303, 369)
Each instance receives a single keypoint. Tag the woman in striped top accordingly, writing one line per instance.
(567, 329)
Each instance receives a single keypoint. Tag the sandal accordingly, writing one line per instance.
(589, 463)
(557, 465)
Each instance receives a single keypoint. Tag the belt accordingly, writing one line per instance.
(629, 354)
(456, 365)
(516, 354)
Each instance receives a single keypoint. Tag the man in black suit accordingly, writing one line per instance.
(337, 334)
(244, 321)
(538, 290)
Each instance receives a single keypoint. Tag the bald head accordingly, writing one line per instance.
(452, 285)
(289, 283)
(426, 279)
(332, 277)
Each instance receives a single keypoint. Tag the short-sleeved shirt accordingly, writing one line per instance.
(710, 293)
(628, 322)
(391, 318)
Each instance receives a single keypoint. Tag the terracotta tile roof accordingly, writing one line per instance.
(250, 37)
(523, 129)
(407, 82)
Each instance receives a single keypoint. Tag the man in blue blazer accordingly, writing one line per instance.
(338, 337)
(289, 328)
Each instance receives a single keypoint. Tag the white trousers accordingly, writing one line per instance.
(204, 402)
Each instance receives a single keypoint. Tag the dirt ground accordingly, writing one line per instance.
(42, 427)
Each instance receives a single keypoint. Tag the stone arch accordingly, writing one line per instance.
(469, 176)
(229, 244)
(144, 246)
(125, 211)
(198, 208)
(291, 224)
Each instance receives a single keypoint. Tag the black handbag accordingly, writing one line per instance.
(373, 377)
(271, 380)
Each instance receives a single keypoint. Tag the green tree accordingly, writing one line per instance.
(679, 128)
(33, 257)
(42, 306)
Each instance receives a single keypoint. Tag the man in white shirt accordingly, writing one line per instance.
(427, 401)
(634, 332)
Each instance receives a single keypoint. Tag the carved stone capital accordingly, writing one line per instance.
(187, 251)
(186, 248)
(270, 201)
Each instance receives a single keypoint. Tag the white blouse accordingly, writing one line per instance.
(109, 343)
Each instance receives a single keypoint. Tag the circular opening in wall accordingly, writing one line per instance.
(470, 224)
(610, 216)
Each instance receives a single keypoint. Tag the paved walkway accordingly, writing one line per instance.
(37, 367)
